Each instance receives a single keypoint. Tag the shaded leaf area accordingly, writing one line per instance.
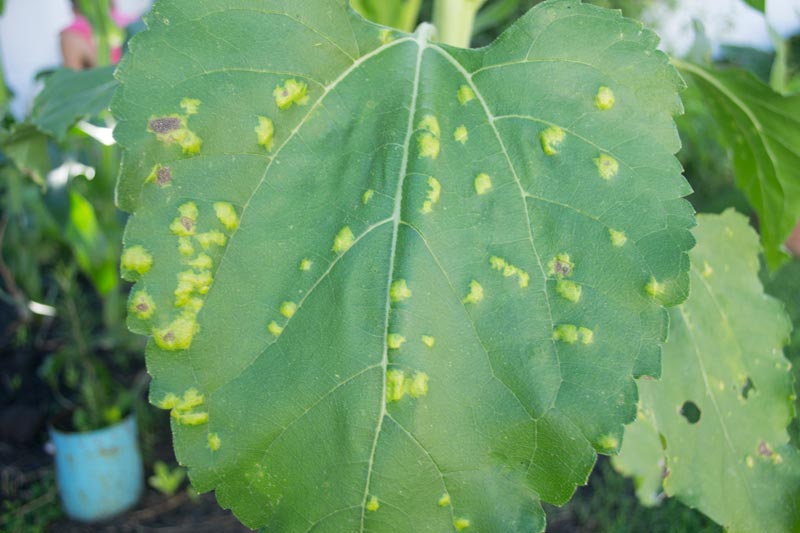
(384, 291)
(26, 147)
(69, 96)
(400, 14)
(760, 129)
(719, 413)
(757, 4)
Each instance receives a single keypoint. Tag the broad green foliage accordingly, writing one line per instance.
(69, 96)
(390, 284)
(760, 128)
(400, 14)
(725, 396)
(26, 147)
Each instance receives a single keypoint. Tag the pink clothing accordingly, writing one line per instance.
(82, 27)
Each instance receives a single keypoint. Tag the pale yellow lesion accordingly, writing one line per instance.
(655, 288)
(483, 183)
(428, 341)
(607, 166)
(608, 443)
(475, 294)
(444, 500)
(190, 106)
(265, 132)
(418, 385)
(461, 135)
(395, 341)
(551, 138)
(508, 270)
(604, 100)
(214, 442)
(560, 266)
(185, 247)
(430, 123)
(185, 224)
(290, 93)
(343, 240)
(434, 193)
(569, 290)
(306, 264)
(585, 335)
(398, 385)
(173, 129)
(178, 334)
(385, 36)
(570, 334)
(201, 262)
(429, 138)
(136, 260)
(288, 309)
(465, 94)
(142, 305)
(227, 216)
(461, 524)
(367, 196)
(399, 291)
(372, 504)
(190, 419)
(707, 270)
(275, 329)
(618, 238)
(211, 238)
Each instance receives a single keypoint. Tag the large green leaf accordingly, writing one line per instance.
(435, 271)
(761, 129)
(725, 396)
(69, 96)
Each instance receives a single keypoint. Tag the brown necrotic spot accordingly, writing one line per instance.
(764, 450)
(562, 268)
(142, 307)
(165, 124)
(187, 223)
(163, 176)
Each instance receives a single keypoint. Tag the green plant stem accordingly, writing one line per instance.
(454, 20)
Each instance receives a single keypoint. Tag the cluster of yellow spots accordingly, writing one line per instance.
(434, 193)
(570, 334)
(373, 504)
(142, 305)
(618, 238)
(367, 196)
(343, 240)
(607, 166)
(290, 93)
(428, 341)
(461, 134)
(185, 224)
(183, 409)
(394, 341)
(509, 270)
(475, 294)
(398, 385)
(465, 94)
(287, 309)
(265, 132)
(429, 138)
(654, 288)
(551, 138)
(483, 183)
(214, 442)
(173, 129)
(605, 99)
(135, 262)
(399, 291)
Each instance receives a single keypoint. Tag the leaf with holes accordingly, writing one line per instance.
(760, 129)
(726, 394)
(385, 290)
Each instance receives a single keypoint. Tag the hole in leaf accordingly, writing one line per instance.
(747, 388)
(690, 412)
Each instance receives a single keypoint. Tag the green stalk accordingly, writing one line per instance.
(455, 19)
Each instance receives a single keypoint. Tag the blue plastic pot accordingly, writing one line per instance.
(99, 472)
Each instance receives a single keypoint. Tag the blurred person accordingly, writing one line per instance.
(78, 43)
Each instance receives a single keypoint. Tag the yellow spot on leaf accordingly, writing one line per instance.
(654, 288)
(483, 183)
(607, 166)
(211, 238)
(305, 264)
(604, 99)
(560, 266)
(475, 293)
(586, 335)
(608, 443)
(275, 329)
(429, 145)
(199, 281)
(707, 270)
(568, 290)
(566, 333)
(191, 106)
(170, 401)
(399, 291)
(395, 385)
(750, 462)
(178, 334)
(291, 92)
(373, 504)
(508, 270)
(214, 442)
(418, 386)
(226, 214)
(288, 309)
(551, 138)
(394, 341)
(430, 123)
(193, 305)
(173, 129)
(191, 399)
(367, 196)
(444, 500)
(461, 524)
(185, 224)
(190, 419)
(434, 192)
(343, 240)
(142, 305)
(461, 134)
(135, 260)
(265, 132)
(618, 238)
(385, 36)
(465, 94)
(201, 262)
(185, 247)
(428, 341)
